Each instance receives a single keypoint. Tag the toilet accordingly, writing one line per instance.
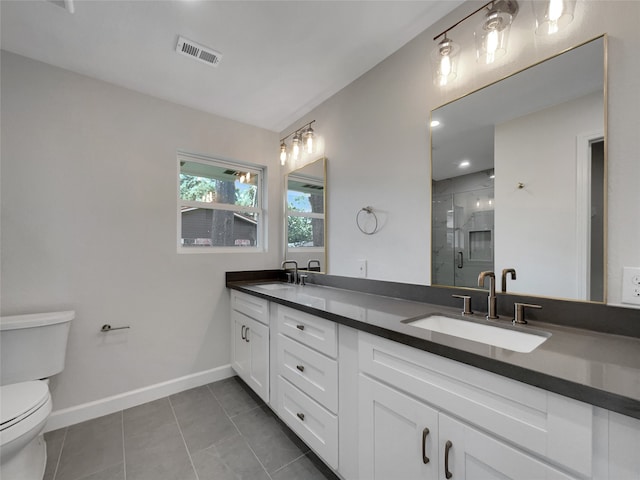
(32, 349)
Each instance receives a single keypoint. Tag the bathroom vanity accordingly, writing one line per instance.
(378, 398)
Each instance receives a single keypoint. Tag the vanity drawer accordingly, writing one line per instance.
(313, 373)
(556, 427)
(313, 423)
(254, 307)
(309, 330)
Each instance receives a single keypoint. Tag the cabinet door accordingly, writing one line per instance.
(466, 453)
(239, 346)
(257, 338)
(398, 434)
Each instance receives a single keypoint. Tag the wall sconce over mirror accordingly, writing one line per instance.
(303, 139)
(553, 15)
(492, 33)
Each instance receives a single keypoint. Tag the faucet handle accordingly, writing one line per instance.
(466, 304)
(519, 312)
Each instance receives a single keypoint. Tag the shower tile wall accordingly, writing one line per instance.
(462, 229)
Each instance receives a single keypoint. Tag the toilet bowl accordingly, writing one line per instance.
(24, 411)
(32, 349)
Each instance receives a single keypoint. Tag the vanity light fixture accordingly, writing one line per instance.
(303, 137)
(553, 15)
(491, 39)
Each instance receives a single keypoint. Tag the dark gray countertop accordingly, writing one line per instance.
(598, 368)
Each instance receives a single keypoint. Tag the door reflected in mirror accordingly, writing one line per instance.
(305, 229)
(519, 180)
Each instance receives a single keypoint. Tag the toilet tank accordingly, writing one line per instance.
(33, 346)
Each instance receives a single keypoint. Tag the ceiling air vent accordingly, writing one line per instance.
(198, 52)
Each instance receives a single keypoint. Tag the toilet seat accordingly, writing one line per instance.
(23, 406)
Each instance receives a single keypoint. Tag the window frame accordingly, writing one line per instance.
(258, 171)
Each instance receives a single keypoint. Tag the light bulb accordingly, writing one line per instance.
(308, 139)
(492, 45)
(283, 153)
(295, 146)
(248, 177)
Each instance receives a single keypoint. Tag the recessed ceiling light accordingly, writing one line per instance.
(464, 164)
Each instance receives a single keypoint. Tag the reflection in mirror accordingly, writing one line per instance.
(518, 180)
(305, 216)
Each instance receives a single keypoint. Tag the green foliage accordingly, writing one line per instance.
(196, 188)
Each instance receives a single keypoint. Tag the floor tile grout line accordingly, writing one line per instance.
(183, 440)
(292, 461)
(124, 452)
(250, 447)
(64, 439)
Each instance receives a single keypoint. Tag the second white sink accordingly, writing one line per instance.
(516, 340)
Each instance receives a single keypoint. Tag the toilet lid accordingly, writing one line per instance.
(19, 400)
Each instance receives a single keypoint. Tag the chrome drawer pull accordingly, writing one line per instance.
(300, 367)
(300, 416)
(300, 327)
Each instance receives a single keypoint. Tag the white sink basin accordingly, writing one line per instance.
(274, 286)
(515, 340)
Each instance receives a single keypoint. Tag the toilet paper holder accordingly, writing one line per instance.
(107, 328)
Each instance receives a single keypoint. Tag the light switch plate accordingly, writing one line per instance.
(631, 285)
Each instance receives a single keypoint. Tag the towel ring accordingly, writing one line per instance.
(370, 213)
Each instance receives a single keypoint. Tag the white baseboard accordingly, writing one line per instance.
(87, 411)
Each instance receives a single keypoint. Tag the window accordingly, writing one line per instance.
(305, 212)
(219, 205)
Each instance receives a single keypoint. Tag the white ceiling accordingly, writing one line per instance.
(280, 59)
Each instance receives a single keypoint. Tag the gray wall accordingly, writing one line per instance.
(89, 223)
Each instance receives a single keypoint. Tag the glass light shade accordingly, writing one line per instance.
(444, 62)
(309, 139)
(283, 153)
(295, 146)
(492, 35)
(553, 15)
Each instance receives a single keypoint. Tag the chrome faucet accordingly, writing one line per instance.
(291, 279)
(512, 272)
(492, 292)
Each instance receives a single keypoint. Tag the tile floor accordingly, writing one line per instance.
(219, 431)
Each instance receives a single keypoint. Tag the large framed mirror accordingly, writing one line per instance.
(519, 180)
(305, 222)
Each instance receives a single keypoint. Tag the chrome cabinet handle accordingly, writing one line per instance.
(425, 459)
(242, 332)
(246, 335)
(300, 327)
(300, 367)
(300, 416)
(447, 447)
(461, 258)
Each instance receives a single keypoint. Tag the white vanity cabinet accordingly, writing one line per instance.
(250, 341)
(307, 378)
(496, 427)
(402, 437)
